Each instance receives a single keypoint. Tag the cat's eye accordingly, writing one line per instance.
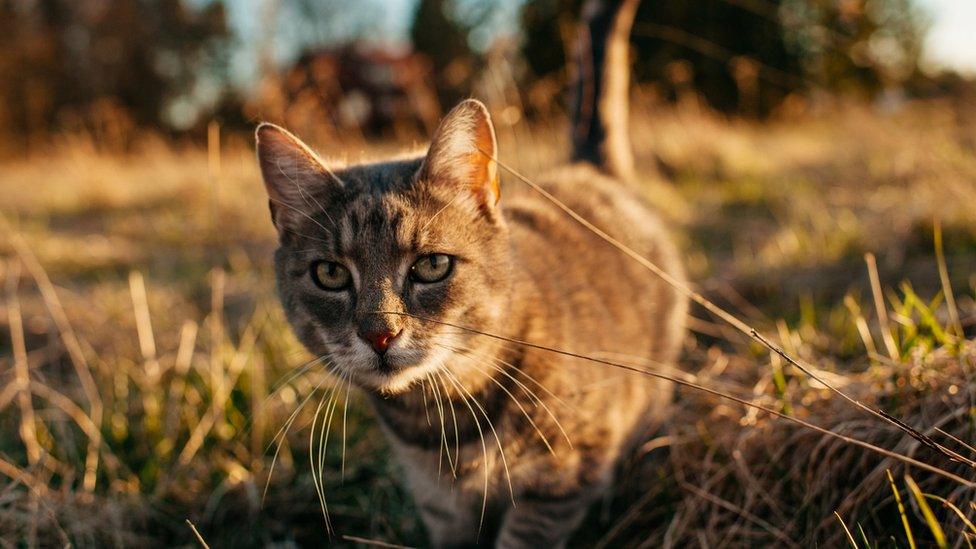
(431, 268)
(330, 275)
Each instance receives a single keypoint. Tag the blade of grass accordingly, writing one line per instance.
(147, 347)
(847, 531)
(962, 516)
(219, 401)
(930, 519)
(147, 341)
(901, 511)
(861, 324)
(177, 386)
(940, 259)
(17, 474)
(216, 319)
(7, 395)
(373, 542)
(81, 419)
(879, 306)
(864, 537)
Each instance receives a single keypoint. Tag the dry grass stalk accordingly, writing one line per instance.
(196, 533)
(713, 392)
(950, 297)
(28, 422)
(880, 307)
(177, 386)
(221, 393)
(73, 346)
(803, 229)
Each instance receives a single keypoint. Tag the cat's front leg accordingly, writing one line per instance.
(542, 522)
(449, 523)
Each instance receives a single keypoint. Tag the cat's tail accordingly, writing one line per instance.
(601, 90)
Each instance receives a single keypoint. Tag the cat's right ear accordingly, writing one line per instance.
(294, 176)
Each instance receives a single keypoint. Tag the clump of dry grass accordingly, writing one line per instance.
(747, 478)
(141, 346)
(736, 476)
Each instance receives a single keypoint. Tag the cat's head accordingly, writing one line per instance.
(371, 256)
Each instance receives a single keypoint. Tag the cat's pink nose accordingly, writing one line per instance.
(379, 341)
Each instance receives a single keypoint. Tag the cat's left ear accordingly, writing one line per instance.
(463, 151)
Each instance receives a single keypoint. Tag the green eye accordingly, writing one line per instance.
(431, 268)
(330, 275)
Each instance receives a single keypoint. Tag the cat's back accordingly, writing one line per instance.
(604, 299)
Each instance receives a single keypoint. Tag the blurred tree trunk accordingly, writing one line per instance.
(602, 86)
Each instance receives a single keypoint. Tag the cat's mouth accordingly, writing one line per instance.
(395, 371)
(392, 363)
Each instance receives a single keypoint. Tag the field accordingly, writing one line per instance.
(144, 361)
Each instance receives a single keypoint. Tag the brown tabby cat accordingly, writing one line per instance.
(379, 264)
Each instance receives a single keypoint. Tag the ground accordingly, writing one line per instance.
(139, 311)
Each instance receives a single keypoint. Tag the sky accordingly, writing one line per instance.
(951, 41)
(391, 23)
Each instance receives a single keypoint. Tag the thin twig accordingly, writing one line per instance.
(374, 543)
(196, 533)
(725, 315)
(684, 383)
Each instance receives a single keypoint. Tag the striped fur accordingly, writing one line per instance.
(500, 444)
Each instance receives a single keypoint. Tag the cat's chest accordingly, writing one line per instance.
(457, 469)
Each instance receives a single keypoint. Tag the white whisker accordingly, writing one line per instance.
(281, 435)
(528, 390)
(518, 404)
(484, 449)
(491, 426)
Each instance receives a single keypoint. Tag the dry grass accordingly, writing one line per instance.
(141, 346)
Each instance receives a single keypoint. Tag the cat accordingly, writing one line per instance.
(396, 272)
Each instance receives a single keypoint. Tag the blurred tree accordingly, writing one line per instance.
(108, 65)
(439, 34)
(543, 26)
(749, 55)
(732, 52)
(861, 46)
(65, 63)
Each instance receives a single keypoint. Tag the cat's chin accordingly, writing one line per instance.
(396, 377)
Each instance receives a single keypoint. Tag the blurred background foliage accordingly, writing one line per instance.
(67, 65)
(117, 67)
